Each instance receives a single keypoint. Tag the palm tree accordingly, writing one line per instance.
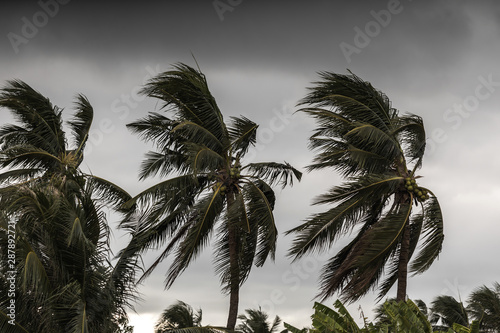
(449, 310)
(178, 315)
(257, 322)
(211, 191)
(484, 306)
(363, 137)
(64, 281)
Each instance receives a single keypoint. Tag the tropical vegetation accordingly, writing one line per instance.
(256, 321)
(397, 222)
(53, 230)
(56, 261)
(211, 191)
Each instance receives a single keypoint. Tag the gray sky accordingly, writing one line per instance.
(437, 59)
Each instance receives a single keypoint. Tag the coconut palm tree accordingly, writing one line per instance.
(211, 190)
(449, 310)
(178, 315)
(484, 306)
(257, 322)
(363, 137)
(64, 278)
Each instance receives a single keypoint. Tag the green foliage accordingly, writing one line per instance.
(484, 306)
(64, 280)
(360, 135)
(393, 317)
(211, 193)
(178, 315)
(181, 318)
(256, 321)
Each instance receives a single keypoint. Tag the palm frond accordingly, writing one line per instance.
(107, 191)
(359, 265)
(449, 310)
(320, 230)
(195, 133)
(30, 157)
(163, 164)
(261, 216)
(433, 237)
(362, 188)
(154, 127)
(243, 134)
(274, 173)
(20, 175)
(6, 325)
(354, 201)
(81, 122)
(184, 91)
(416, 224)
(40, 118)
(354, 99)
(172, 192)
(410, 130)
(237, 219)
(203, 159)
(203, 217)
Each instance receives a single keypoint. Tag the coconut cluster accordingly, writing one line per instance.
(235, 172)
(419, 192)
(224, 181)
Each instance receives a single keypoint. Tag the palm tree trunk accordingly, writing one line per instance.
(403, 264)
(234, 296)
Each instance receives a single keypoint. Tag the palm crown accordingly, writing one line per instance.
(211, 189)
(65, 280)
(363, 137)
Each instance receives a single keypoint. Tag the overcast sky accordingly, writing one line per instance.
(437, 59)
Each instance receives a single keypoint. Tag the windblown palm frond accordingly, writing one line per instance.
(211, 193)
(361, 135)
(449, 310)
(484, 307)
(256, 321)
(65, 281)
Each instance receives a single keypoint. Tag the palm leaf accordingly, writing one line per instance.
(40, 118)
(195, 133)
(261, 217)
(204, 214)
(433, 237)
(243, 134)
(184, 91)
(274, 173)
(81, 122)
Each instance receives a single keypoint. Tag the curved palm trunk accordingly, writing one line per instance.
(403, 264)
(234, 296)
